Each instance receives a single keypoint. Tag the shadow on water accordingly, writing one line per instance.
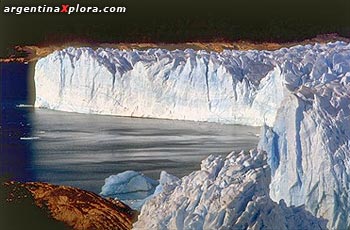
(16, 89)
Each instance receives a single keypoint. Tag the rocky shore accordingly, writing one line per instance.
(46, 206)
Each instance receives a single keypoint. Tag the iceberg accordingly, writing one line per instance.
(231, 193)
(130, 187)
(134, 188)
(299, 95)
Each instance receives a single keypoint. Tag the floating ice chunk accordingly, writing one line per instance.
(29, 138)
(24, 106)
(134, 188)
(128, 185)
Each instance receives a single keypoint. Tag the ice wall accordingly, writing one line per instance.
(230, 87)
(309, 150)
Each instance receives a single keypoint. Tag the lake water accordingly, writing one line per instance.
(82, 150)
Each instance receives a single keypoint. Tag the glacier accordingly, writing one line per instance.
(299, 95)
(309, 151)
(231, 87)
(231, 193)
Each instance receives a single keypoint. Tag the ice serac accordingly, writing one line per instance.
(228, 87)
(166, 182)
(231, 193)
(309, 145)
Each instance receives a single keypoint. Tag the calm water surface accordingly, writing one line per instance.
(81, 150)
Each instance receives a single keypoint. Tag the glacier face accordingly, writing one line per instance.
(231, 193)
(300, 95)
(230, 87)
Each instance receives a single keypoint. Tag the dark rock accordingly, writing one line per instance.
(38, 205)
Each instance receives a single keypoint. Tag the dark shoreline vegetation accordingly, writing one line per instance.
(179, 21)
(31, 53)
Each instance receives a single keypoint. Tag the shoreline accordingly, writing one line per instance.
(50, 206)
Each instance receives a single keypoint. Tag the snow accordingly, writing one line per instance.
(300, 95)
(231, 193)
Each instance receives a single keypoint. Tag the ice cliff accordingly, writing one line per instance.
(300, 95)
(231, 193)
(309, 145)
(230, 87)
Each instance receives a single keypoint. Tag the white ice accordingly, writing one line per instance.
(230, 87)
(300, 95)
(231, 193)
(130, 187)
